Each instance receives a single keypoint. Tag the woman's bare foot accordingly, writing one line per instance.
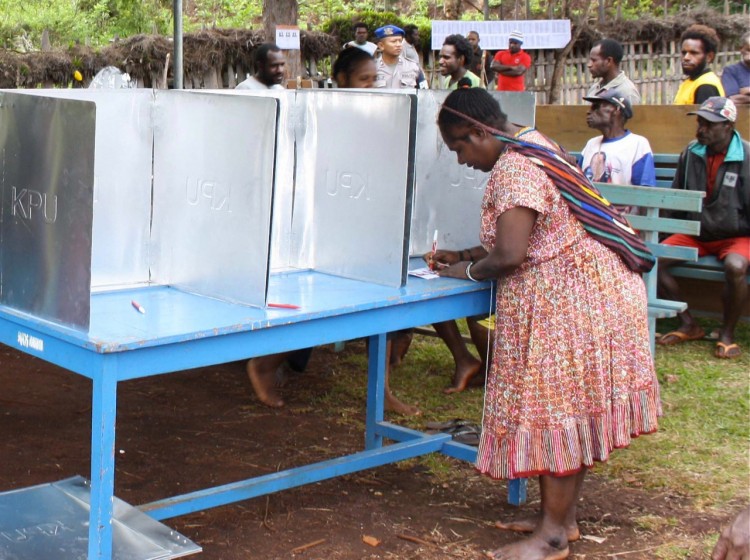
(463, 375)
(392, 404)
(534, 548)
(528, 526)
(264, 384)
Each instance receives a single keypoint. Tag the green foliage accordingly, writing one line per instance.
(70, 21)
(341, 25)
(314, 13)
(225, 14)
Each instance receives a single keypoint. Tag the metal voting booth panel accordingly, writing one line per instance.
(213, 190)
(342, 202)
(47, 206)
(448, 195)
(122, 183)
(355, 154)
(208, 230)
(50, 521)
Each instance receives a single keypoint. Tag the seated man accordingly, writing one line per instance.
(617, 156)
(736, 77)
(629, 159)
(718, 163)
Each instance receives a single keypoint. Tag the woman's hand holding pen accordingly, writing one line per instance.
(440, 259)
(455, 270)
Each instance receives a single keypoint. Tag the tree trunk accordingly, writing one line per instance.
(283, 12)
(555, 85)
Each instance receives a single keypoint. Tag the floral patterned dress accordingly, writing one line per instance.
(572, 375)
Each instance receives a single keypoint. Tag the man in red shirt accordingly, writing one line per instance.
(511, 65)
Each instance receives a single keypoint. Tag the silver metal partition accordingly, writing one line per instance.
(122, 184)
(287, 244)
(448, 195)
(213, 190)
(47, 206)
(355, 157)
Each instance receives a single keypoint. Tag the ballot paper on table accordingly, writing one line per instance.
(425, 273)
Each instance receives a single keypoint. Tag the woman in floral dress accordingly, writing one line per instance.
(572, 376)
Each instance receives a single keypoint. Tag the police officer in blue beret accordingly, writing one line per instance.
(394, 71)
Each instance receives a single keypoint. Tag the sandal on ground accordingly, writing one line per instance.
(727, 351)
(468, 435)
(677, 337)
(448, 426)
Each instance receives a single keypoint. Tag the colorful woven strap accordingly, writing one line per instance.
(599, 218)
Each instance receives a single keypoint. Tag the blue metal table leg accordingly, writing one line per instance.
(517, 491)
(103, 411)
(375, 390)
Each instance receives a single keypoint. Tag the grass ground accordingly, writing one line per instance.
(701, 452)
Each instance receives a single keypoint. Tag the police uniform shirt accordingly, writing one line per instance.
(403, 75)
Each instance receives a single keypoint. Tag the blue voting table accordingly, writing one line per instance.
(180, 331)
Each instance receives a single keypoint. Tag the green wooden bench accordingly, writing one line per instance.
(653, 200)
(666, 167)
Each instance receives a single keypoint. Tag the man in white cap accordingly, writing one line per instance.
(511, 65)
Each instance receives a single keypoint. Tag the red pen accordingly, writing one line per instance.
(282, 305)
(138, 307)
(433, 264)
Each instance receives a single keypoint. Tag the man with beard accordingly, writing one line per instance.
(719, 165)
(454, 58)
(511, 65)
(698, 47)
(270, 67)
(604, 65)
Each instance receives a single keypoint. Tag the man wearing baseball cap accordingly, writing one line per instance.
(617, 156)
(511, 65)
(395, 71)
(717, 163)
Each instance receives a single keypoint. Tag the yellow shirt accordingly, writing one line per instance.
(686, 93)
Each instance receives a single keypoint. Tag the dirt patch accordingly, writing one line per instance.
(189, 430)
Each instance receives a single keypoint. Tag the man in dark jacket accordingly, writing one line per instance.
(717, 163)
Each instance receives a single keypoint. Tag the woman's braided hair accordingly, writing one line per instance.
(475, 103)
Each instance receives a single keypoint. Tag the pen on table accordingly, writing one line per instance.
(434, 250)
(282, 305)
(138, 307)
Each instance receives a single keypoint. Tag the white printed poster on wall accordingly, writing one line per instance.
(287, 37)
(493, 35)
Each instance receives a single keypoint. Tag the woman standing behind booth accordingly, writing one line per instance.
(572, 376)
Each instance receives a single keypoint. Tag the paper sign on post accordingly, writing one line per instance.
(287, 37)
